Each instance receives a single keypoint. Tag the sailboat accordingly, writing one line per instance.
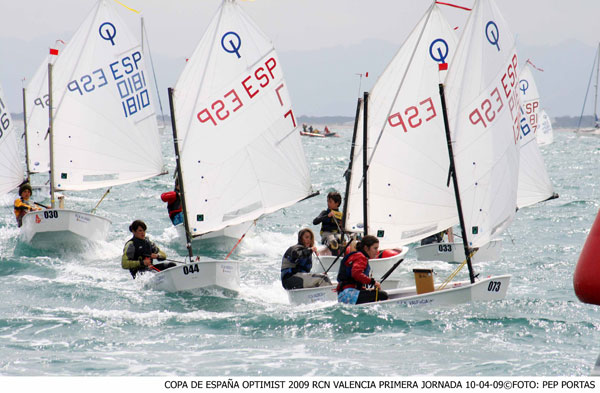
(537, 117)
(11, 170)
(596, 129)
(238, 151)
(481, 146)
(102, 129)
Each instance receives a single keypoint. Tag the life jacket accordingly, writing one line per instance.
(345, 278)
(173, 202)
(327, 223)
(21, 208)
(297, 259)
(143, 248)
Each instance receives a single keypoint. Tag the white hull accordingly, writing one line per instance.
(312, 295)
(204, 274)
(485, 290)
(228, 234)
(379, 266)
(488, 289)
(455, 253)
(60, 229)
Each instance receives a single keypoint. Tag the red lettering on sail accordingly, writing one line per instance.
(414, 115)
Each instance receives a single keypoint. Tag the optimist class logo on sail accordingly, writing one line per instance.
(126, 74)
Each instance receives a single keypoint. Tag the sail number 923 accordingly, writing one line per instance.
(494, 286)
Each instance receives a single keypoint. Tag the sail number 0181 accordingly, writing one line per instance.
(494, 286)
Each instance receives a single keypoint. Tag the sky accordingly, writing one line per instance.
(323, 44)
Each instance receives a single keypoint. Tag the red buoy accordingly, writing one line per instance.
(586, 279)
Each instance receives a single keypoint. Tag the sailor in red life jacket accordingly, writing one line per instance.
(353, 276)
(174, 204)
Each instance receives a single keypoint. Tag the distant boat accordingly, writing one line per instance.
(11, 170)
(534, 112)
(102, 130)
(596, 129)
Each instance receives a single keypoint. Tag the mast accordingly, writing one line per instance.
(348, 174)
(456, 190)
(365, 167)
(188, 238)
(596, 125)
(25, 132)
(51, 132)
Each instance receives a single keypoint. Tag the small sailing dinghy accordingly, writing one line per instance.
(534, 112)
(11, 171)
(240, 152)
(102, 130)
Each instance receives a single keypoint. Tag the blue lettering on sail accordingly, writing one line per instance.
(128, 77)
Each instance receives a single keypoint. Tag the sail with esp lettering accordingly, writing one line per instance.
(240, 152)
(408, 194)
(536, 115)
(484, 112)
(105, 131)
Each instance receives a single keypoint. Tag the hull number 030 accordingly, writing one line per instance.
(191, 269)
(50, 214)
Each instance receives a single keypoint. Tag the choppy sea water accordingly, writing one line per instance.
(80, 314)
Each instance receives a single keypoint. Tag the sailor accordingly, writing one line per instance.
(353, 276)
(173, 199)
(139, 252)
(297, 262)
(22, 204)
(329, 220)
(438, 237)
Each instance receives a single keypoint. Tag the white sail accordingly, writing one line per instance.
(484, 114)
(545, 133)
(36, 102)
(530, 98)
(240, 153)
(11, 169)
(408, 194)
(105, 130)
(534, 183)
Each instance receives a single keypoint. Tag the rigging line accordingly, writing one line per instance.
(399, 87)
(588, 88)
(453, 5)
(240, 239)
(129, 8)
